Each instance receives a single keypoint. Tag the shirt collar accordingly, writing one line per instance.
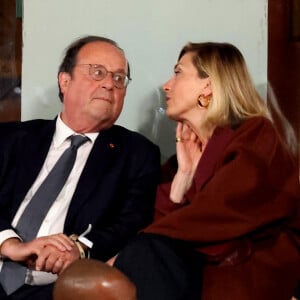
(63, 131)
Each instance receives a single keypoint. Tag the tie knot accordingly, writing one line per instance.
(77, 140)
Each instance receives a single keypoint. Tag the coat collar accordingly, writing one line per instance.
(211, 155)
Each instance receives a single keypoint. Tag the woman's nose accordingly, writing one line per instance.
(166, 85)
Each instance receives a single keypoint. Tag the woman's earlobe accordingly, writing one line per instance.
(203, 101)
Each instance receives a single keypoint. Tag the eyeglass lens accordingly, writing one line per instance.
(99, 72)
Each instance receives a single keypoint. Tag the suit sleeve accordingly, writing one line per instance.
(10, 137)
(135, 204)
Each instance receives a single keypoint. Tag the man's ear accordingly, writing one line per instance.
(64, 80)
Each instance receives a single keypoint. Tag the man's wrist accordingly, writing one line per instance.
(7, 234)
(81, 247)
(5, 248)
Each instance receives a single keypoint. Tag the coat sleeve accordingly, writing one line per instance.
(254, 186)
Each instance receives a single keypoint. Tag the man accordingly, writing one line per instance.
(93, 280)
(109, 192)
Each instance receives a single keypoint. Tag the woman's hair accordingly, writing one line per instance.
(234, 96)
(69, 61)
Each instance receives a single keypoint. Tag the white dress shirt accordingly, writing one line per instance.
(55, 218)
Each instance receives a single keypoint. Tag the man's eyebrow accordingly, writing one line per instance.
(120, 70)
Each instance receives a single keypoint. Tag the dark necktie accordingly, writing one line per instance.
(12, 275)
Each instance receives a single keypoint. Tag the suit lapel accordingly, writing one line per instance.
(34, 149)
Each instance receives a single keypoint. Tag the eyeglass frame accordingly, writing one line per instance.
(92, 74)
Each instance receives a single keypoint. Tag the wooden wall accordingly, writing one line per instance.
(284, 57)
(10, 61)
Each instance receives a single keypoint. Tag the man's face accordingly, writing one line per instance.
(90, 105)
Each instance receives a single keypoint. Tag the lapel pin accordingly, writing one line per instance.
(111, 145)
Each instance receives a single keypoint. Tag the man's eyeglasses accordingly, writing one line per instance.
(99, 72)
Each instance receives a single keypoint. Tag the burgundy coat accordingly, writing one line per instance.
(242, 212)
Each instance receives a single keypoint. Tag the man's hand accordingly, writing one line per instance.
(52, 259)
(16, 250)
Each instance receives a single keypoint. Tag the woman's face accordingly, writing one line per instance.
(183, 90)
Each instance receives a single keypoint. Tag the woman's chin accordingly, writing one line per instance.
(172, 114)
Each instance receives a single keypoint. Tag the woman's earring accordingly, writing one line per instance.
(203, 101)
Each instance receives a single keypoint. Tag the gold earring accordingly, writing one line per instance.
(203, 101)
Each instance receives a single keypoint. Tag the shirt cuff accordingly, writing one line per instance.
(85, 241)
(82, 239)
(7, 234)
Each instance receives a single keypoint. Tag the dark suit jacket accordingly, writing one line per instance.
(243, 208)
(115, 192)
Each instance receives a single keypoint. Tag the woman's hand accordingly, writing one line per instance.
(112, 260)
(189, 151)
(188, 148)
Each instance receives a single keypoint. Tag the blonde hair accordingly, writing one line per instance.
(234, 96)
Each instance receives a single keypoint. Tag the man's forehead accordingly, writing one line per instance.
(102, 52)
(100, 48)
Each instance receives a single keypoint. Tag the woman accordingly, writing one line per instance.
(231, 194)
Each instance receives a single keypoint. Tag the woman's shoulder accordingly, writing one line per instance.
(254, 134)
(257, 124)
(257, 130)
(258, 137)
